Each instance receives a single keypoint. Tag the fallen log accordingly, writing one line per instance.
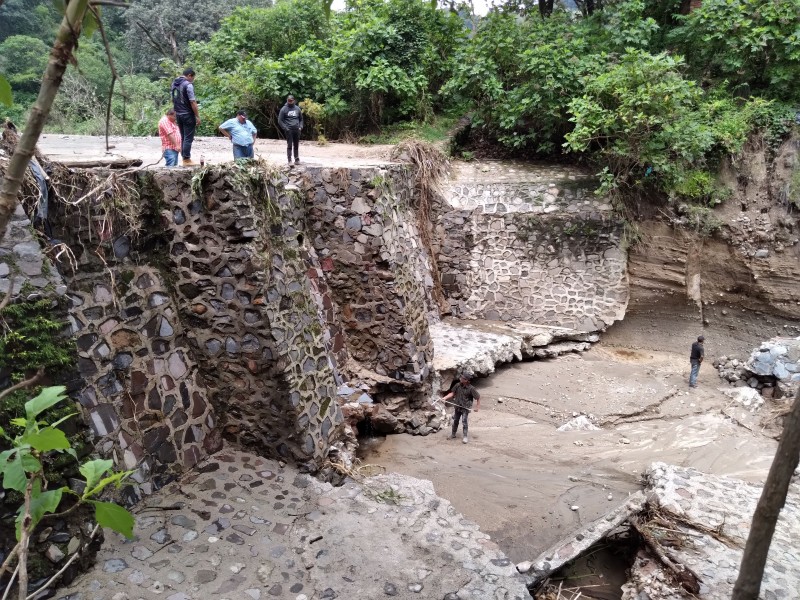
(106, 163)
(682, 574)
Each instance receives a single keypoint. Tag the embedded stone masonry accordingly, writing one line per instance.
(238, 302)
(531, 244)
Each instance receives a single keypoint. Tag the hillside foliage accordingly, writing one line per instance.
(653, 92)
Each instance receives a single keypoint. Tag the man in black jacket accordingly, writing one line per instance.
(463, 393)
(290, 120)
(695, 358)
(187, 112)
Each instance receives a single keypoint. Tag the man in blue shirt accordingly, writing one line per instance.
(242, 133)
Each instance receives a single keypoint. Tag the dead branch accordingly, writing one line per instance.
(68, 563)
(682, 574)
(23, 384)
(114, 75)
(11, 582)
(616, 418)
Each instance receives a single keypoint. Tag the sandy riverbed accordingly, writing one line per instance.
(519, 477)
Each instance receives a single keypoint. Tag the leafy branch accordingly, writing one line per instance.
(22, 470)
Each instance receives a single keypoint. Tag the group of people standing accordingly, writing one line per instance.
(178, 125)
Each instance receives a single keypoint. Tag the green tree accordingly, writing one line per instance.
(519, 77)
(651, 125)
(162, 29)
(391, 58)
(28, 17)
(22, 60)
(752, 43)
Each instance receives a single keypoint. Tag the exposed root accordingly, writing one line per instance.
(431, 166)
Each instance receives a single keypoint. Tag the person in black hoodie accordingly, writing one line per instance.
(290, 120)
(187, 112)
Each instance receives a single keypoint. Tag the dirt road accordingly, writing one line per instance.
(519, 477)
(69, 148)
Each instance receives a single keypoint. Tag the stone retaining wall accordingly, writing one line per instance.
(241, 302)
(531, 249)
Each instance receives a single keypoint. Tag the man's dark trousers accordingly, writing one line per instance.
(292, 142)
(187, 125)
(457, 413)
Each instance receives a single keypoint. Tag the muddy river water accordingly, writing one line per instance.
(519, 477)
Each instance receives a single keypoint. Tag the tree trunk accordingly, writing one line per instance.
(546, 7)
(773, 497)
(60, 55)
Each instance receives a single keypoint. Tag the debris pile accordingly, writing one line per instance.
(689, 529)
(580, 423)
(778, 358)
(773, 368)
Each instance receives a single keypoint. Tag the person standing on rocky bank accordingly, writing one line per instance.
(463, 393)
(185, 104)
(242, 133)
(170, 137)
(290, 120)
(695, 358)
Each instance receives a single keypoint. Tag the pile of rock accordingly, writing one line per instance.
(732, 370)
(773, 368)
(778, 358)
(390, 414)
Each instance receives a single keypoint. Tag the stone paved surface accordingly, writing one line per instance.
(246, 527)
(715, 501)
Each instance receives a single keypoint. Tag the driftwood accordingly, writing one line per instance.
(683, 575)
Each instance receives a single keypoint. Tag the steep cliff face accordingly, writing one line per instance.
(741, 279)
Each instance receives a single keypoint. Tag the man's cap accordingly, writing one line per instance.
(241, 113)
(466, 375)
(701, 338)
(289, 97)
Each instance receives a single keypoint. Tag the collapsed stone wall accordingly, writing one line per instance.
(543, 251)
(363, 227)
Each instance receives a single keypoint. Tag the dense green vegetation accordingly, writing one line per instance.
(653, 92)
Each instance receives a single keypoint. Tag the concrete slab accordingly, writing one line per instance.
(566, 550)
(478, 345)
(244, 527)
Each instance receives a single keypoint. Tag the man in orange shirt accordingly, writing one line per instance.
(170, 136)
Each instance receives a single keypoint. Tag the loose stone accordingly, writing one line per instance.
(115, 565)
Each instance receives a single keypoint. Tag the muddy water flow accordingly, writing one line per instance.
(520, 478)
